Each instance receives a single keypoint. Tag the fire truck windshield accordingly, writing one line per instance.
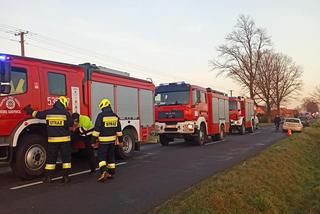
(232, 105)
(18, 82)
(172, 98)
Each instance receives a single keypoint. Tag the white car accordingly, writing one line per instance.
(294, 124)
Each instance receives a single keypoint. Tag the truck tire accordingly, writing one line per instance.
(129, 143)
(221, 134)
(30, 156)
(251, 129)
(201, 137)
(164, 140)
(243, 128)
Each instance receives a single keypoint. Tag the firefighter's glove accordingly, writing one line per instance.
(28, 109)
(119, 143)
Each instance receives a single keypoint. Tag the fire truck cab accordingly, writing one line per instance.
(190, 112)
(241, 112)
(23, 139)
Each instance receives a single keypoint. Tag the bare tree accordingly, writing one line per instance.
(310, 104)
(287, 80)
(316, 94)
(240, 55)
(264, 80)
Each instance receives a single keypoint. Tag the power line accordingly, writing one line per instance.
(63, 48)
(54, 42)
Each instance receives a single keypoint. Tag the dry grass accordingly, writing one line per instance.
(285, 178)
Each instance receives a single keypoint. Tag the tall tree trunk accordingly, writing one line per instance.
(268, 112)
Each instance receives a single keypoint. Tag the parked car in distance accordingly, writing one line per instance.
(294, 124)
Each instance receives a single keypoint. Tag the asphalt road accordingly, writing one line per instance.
(155, 174)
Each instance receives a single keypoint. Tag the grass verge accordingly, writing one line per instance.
(285, 178)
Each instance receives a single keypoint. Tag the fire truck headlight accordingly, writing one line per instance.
(190, 126)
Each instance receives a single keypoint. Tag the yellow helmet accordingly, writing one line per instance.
(104, 103)
(64, 101)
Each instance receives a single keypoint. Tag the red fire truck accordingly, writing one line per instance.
(39, 82)
(190, 112)
(241, 114)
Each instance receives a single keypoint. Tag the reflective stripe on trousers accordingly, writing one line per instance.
(59, 139)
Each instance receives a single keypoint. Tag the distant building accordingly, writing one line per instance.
(285, 112)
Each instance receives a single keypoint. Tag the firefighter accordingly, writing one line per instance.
(83, 132)
(108, 131)
(59, 122)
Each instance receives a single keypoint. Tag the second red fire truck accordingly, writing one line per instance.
(39, 82)
(191, 112)
(241, 114)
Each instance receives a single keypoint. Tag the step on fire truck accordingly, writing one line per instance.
(39, 82)
(241, 114)
(190, 112)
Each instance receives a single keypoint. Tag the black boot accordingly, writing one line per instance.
(92, 165)
(92, 170)
(47, 176)
(91, 160)
(66, 178)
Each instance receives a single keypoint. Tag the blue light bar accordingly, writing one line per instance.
(4, 58)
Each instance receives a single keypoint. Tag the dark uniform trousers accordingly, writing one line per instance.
(88, 148)
(106, 156)
(53, 149)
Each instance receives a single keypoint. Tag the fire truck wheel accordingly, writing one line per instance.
(164, 140)
(242, 128)
(251, 129)
(30, 157)
(128, 145)
(201, 137)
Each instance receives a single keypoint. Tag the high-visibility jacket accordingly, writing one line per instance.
(85, 125)
(107, 126)
(58, 121)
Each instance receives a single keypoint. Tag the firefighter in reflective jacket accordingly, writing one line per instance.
(58, 121)
(108, 131)
(84, 132)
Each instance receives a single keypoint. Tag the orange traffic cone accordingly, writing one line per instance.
(289, 132)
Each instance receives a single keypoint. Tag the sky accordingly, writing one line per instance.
(163, 40)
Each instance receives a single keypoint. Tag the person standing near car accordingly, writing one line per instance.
(83, 132)
(59, 122)
(108, 131)
(277, 121)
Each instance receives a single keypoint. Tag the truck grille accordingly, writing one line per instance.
(170, 114)
(171, 129)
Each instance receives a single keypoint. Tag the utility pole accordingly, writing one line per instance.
(231, 93)
(21, 34)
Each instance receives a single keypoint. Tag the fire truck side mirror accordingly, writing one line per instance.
(5, 77)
